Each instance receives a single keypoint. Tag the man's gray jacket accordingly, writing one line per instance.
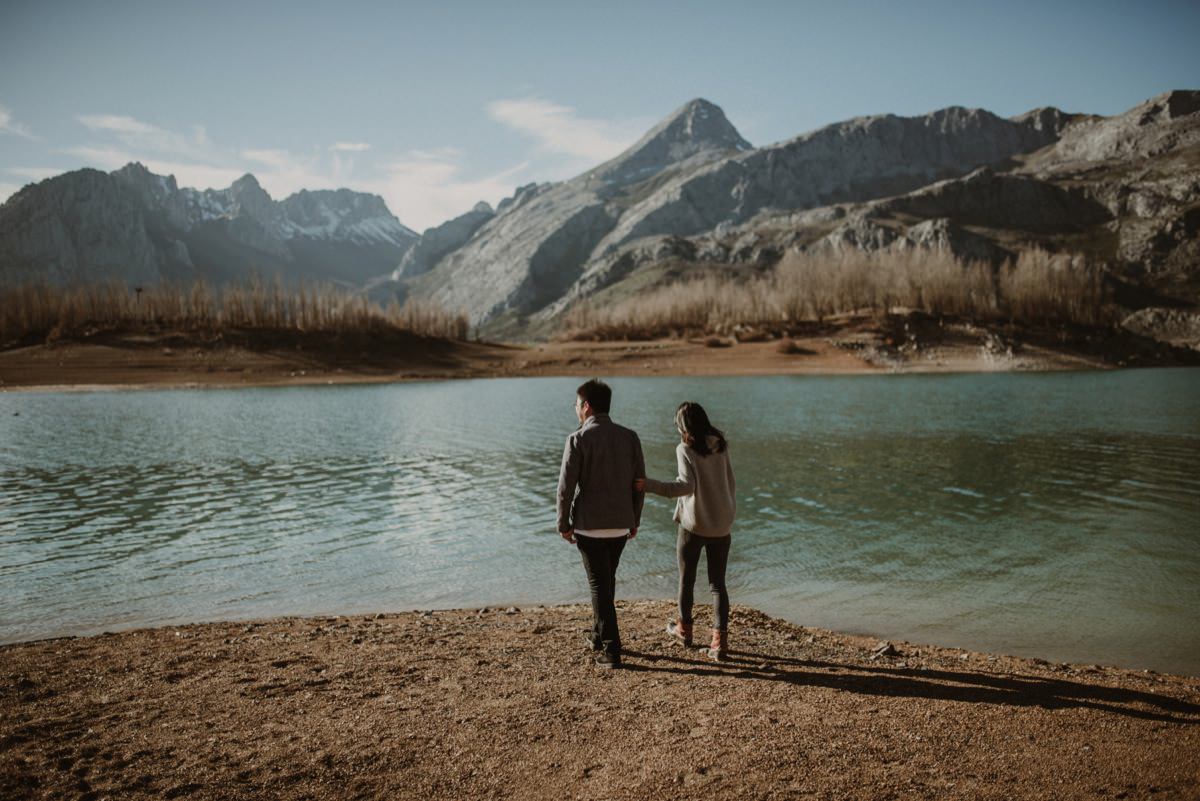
(601, 459)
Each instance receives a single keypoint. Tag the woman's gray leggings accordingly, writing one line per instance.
(687, 549)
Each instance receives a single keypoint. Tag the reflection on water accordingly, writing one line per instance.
(1049, 515)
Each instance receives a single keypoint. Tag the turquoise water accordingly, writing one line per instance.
(1050, 515)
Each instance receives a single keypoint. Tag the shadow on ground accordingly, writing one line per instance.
(941, 685)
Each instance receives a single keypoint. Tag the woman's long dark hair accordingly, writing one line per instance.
(692, 422)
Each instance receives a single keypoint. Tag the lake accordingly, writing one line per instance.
(1049, 515)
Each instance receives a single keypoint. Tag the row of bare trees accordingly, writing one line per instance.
(62, 312)
(1037, 287)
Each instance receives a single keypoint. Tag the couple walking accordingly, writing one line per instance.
(601, 489)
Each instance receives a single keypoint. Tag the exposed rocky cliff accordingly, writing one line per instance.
(537, 244)
(134, 226)
(1163, 123)
(1123, 190)
(1144, 167)
(694, 175)
(436, 242)
(997, 200)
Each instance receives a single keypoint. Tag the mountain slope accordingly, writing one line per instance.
(137, 227)
(535, 247)
(1123, 190)
(694, 173)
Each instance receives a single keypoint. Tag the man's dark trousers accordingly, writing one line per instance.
(600, 558)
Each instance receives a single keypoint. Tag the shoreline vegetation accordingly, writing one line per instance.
(1036, 289)
(855, 312)
(503, 702)
(36, 312)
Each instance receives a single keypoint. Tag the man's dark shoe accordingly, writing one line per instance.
(592, 645)
(607, 660)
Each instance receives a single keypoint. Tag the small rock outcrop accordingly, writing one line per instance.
(944, 234)
(1177, 327)
(997, 200)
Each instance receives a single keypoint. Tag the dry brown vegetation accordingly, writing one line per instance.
(1038, 287)
(35, 311)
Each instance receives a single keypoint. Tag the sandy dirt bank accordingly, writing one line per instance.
(505, 703)
(850, 346)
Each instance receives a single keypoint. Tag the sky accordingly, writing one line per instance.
(436, 106)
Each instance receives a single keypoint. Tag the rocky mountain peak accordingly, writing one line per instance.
(1168, 106)
(149, 185)
(1046, 118)
(959, 118)
(133, 171)
(696, 127)
(341, 214)
(246, 183)
(341, 201)
(251, 199)
(702, 124)
(1163, 123)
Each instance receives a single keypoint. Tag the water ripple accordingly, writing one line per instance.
(1027, 513)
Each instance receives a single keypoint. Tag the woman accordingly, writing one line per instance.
(704, 511)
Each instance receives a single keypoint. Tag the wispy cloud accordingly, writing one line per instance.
(425, 188)
(282, 172)
(10, 126)
(276, 159)
(191, 157)
(559, 129)
(116, 123)
(134, 133)
(422, 187)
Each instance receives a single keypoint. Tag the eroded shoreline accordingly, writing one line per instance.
(166, 360)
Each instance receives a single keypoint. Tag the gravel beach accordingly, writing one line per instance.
(505, 703)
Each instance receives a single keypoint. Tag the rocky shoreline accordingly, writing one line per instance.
(504, 703)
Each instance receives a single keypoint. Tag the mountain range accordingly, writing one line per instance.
(691, 193)
(134, 226)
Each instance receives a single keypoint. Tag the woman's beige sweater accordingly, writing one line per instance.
(704, 489)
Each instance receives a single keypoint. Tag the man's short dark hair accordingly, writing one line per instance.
(597, 394)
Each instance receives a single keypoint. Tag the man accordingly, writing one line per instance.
(601, 460)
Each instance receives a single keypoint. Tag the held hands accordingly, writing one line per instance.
(639, 485)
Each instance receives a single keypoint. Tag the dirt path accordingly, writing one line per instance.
(505, 704)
